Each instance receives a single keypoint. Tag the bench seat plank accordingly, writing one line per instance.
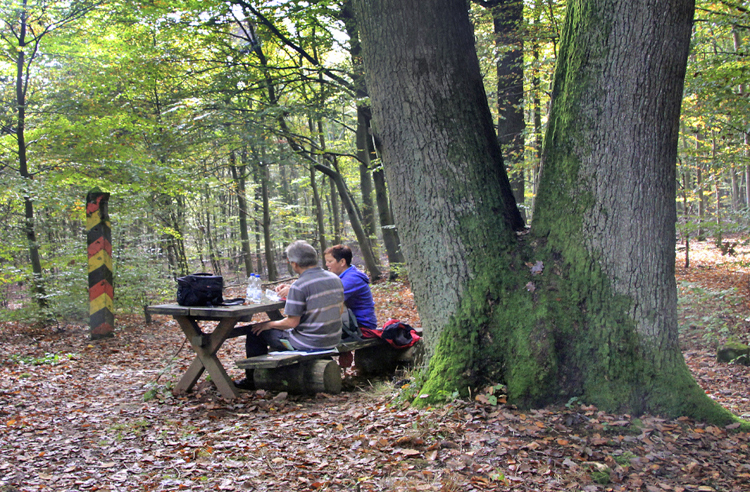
(270, 360)
(286, 358)
(358, 344)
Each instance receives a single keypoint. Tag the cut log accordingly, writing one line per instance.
(306, 377)
(323, 376)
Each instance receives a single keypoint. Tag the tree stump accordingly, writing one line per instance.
(306, 377)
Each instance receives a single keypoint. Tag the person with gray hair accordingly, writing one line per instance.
(301, 253)
(313, 311)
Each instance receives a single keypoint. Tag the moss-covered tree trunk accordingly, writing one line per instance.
(450, 194)
(585, 304)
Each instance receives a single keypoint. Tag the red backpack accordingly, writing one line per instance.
(395, 332)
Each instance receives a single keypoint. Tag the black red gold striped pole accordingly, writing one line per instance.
(101, 291)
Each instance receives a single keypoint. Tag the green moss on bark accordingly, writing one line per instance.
(555, 336)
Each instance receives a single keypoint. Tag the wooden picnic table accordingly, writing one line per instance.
(207, 344)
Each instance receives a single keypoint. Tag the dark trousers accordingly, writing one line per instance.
(259, 345)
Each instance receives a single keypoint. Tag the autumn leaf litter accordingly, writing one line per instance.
(73, 417)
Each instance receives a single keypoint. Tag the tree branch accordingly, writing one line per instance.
(265, 21)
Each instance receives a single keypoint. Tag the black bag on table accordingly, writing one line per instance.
(200, 289)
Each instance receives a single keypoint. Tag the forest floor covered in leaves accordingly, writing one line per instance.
(73, 417)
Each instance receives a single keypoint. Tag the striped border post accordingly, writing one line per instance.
(101, 291)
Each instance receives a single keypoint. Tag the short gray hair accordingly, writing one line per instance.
(302, 253)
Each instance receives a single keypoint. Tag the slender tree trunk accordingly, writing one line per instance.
(536, 88)
(507, 18)
(390, 234)
(319, 219)
(700, 189)
(685, 211)
(735, 187)
(595, 316)
(177, 219)
(353, 212)
(239, 176)
(317, 202)
(365, 179)
(29, 221)
(335, 215)
(267, 241)
(354, 218)
(212, 253)
(717, 191)
(736, 42)
(388, 228)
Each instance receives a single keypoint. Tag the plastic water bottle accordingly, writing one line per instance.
(257, 292)
(250, 283)
(252, 288)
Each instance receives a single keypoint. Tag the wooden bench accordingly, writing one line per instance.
(315, 372)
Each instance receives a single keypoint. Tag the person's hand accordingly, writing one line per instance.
(259, 328)
(282, 290)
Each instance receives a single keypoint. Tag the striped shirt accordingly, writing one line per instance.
(317, 298)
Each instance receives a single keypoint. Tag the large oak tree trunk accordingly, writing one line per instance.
(442, 158)
(595, 315)
(606, 206)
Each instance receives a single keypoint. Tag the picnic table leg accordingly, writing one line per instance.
(206, 346)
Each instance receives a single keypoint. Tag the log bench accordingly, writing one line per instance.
(316, 372)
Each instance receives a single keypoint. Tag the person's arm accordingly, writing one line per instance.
(281, 324)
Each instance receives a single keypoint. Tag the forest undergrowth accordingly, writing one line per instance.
(82, 415)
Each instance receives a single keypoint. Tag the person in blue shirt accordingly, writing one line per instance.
(357, 294)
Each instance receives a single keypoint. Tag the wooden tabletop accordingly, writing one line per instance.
(217, 312)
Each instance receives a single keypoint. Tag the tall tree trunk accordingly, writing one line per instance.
(354, 218)
(265, 179)
(608, 238)
(536, 89)
(317, 202)
(388, 227)
(176, 221)
(239, 175)
(365, 145)
(346, 15)
(717, 190)
(347, 201)
(23, 166)
(735, 188)
(507, 16)
(595, 317)
(365, 179)
(211, 242)
(335, 215)
(319, 218)
(442, 158)
(736, 41)
(700, 189)
(391, 240)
